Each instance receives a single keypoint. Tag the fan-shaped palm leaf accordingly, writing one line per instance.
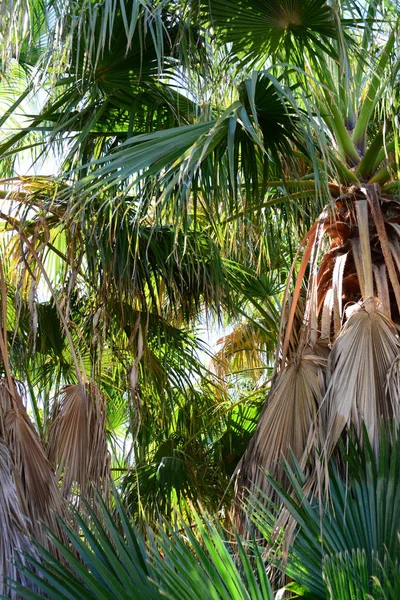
(258, 28)
(357, 529)
(77, 441)
(288, 421)
(358, 366)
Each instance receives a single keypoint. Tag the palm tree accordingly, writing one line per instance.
(194, 145)
(337, 360)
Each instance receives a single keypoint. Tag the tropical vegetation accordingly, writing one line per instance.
(171, 169)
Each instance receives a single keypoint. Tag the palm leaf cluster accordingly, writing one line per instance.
(117, 560)
(333, 553)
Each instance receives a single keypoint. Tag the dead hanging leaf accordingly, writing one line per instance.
(308, 252)
(288, 422)
(38, 493)
(37, 488)
(361, 265)
(134, 376)
(14, 528)
(358, 365)
(77, 443)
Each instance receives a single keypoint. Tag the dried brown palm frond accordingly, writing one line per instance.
(288, 421)
(360, 359)
(290, 334)
(38, 492)
(15, 528)
(77, 443)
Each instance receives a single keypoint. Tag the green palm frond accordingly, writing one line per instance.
(356, 526)
(115, 68)
(23, 29)
(348, 577)
(256, 28)
(176, 564)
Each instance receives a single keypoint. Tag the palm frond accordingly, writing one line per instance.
(77, 440)
(15, 530)
(36, 484)
(355, 527)
(258, 29)
(210, 571)
(358, 365)
(178, 565)
(287, 423)
(347, 576)
(241, 350)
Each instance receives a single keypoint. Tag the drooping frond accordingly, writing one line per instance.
(246, 348)
(39, 494)
(288, 421)
(352, 305)
(358, 365)
(77, 442)
(15, 529)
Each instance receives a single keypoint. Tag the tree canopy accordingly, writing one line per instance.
(169, 169)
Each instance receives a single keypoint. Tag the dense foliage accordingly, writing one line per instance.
(171, 169)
